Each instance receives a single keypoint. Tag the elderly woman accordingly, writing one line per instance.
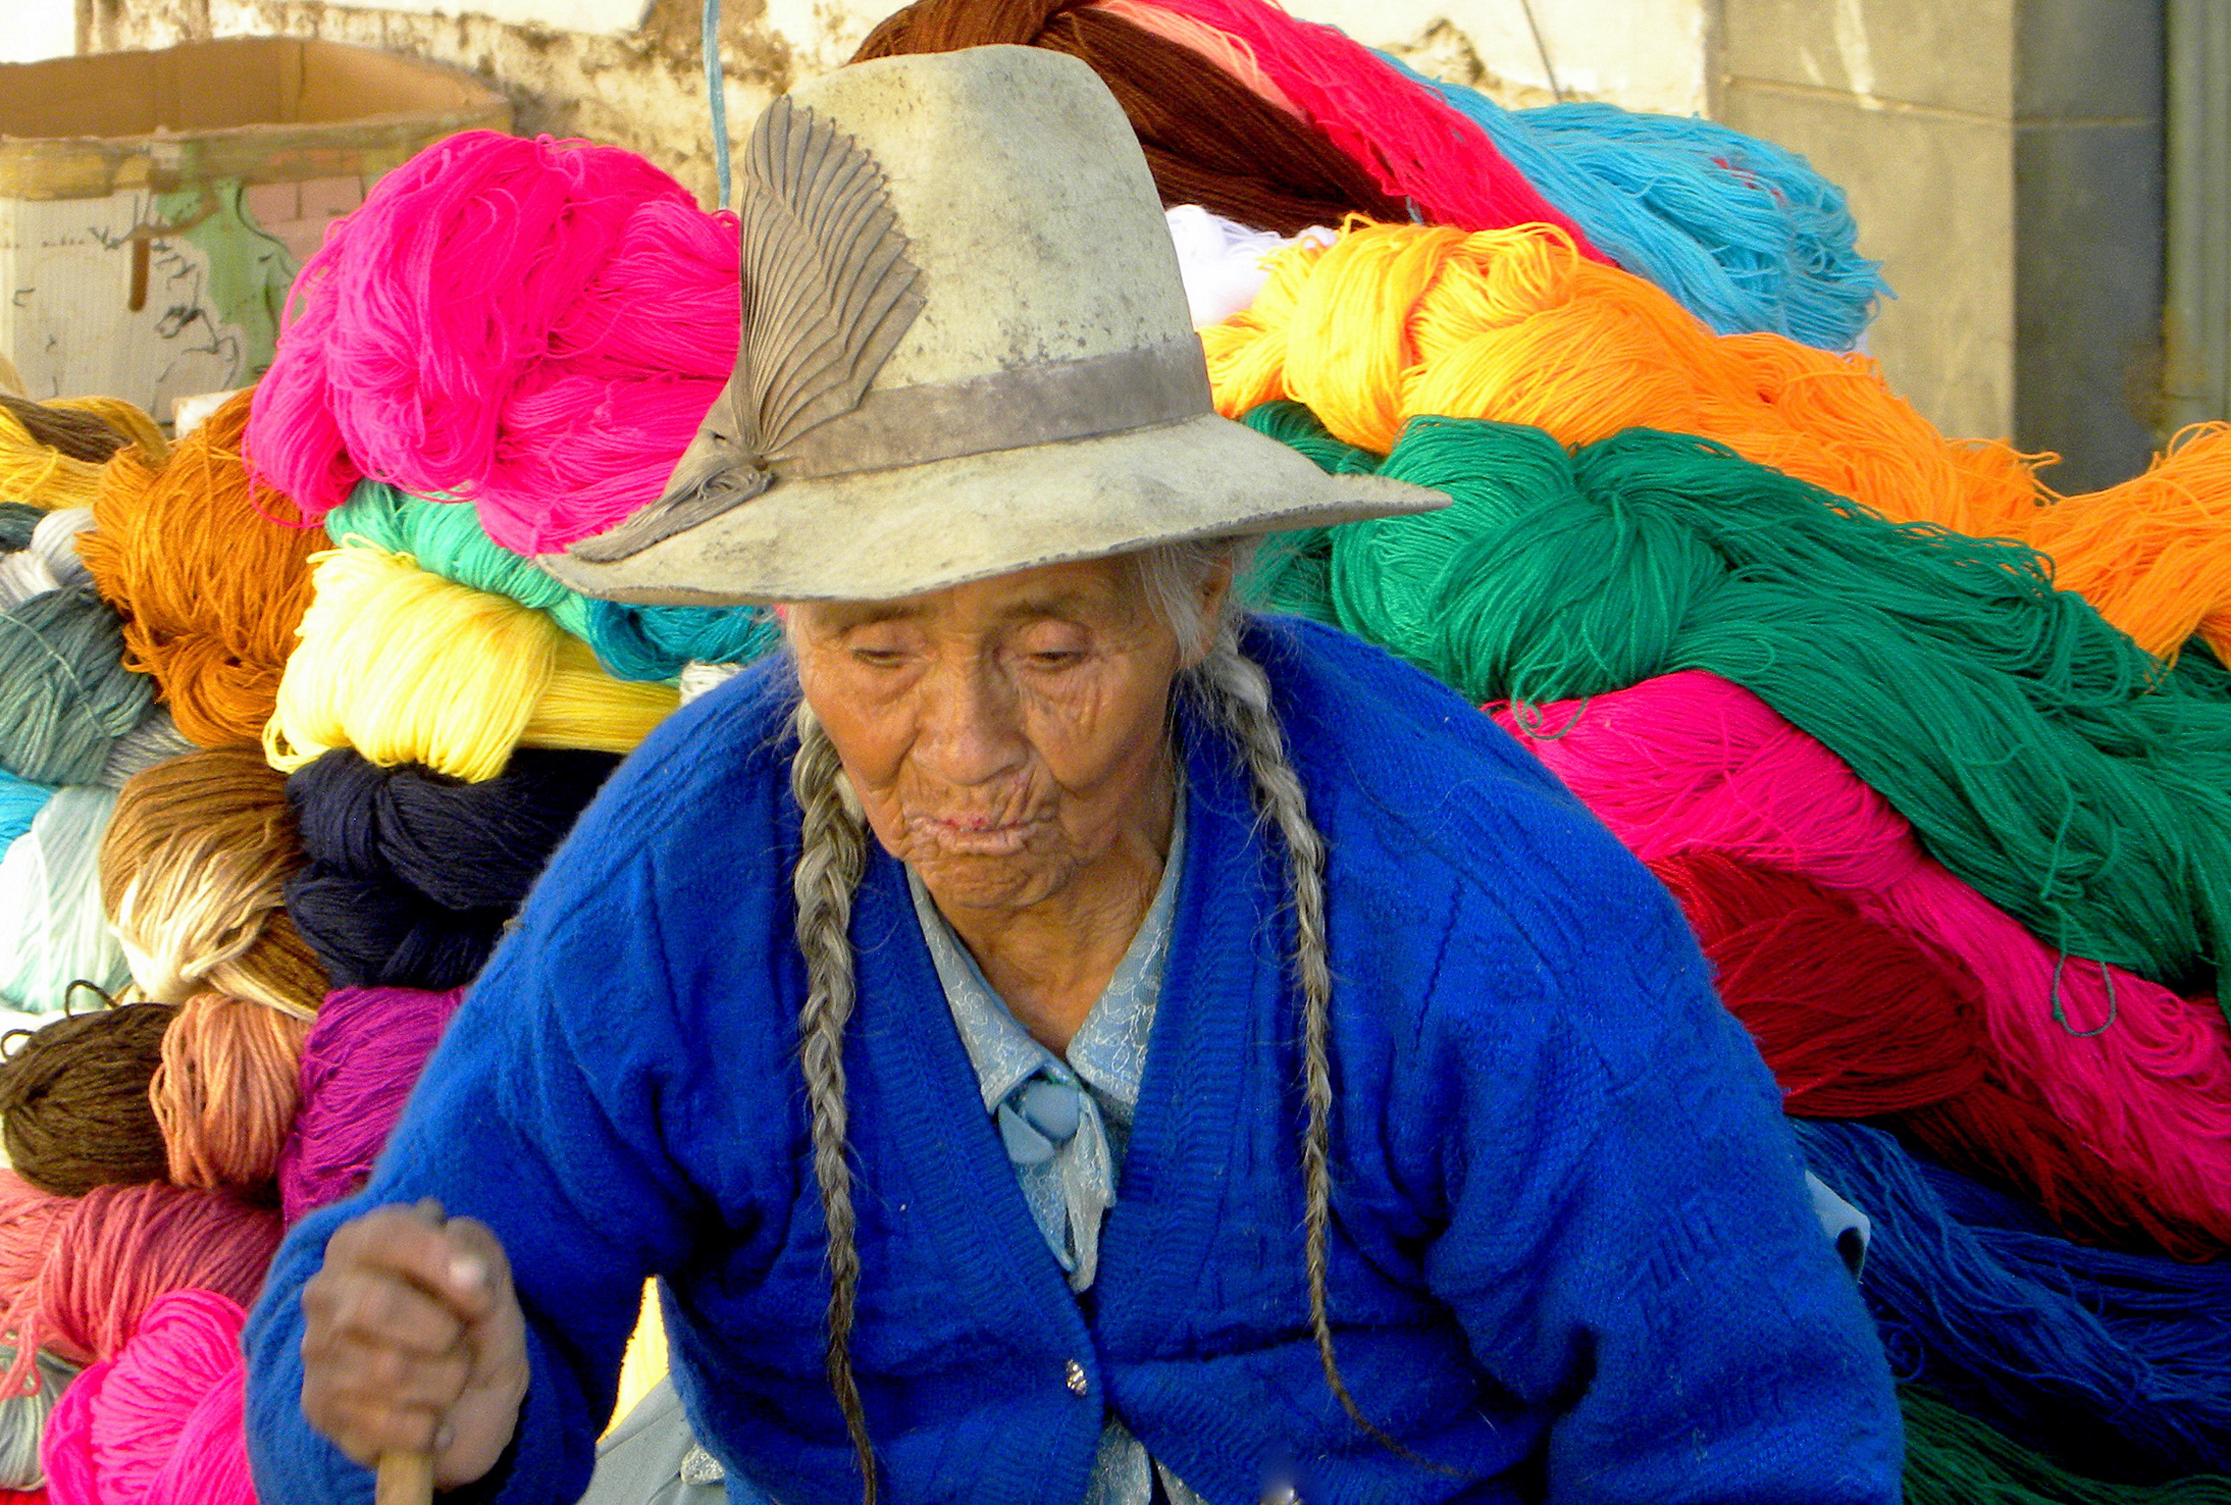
(1053, 1038)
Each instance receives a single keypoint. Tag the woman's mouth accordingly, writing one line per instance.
(976, 835)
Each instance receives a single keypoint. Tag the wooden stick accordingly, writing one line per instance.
(405, 1479)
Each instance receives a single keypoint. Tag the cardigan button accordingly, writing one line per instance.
(1074, 1375)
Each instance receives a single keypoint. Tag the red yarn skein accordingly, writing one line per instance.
(2137, 1075)
(112, 1253)
(1808, 975)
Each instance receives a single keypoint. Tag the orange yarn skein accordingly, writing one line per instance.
(2172, 523)
(226, 1092)
(211, 578)
(1396, 321)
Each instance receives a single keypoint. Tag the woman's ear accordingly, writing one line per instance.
(1216, 589)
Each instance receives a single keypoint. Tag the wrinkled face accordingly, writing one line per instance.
(1004, 736)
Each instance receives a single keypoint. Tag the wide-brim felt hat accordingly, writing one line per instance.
(965, 352)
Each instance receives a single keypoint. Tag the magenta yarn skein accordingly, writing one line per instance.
(359, 1064)
(532, 326)
(160, 1423)
(1690, 762)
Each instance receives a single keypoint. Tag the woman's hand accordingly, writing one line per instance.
(413, 1342)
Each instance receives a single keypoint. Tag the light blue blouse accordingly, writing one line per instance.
(1065, 1119)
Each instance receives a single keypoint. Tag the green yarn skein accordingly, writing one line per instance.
(1953, 1459)
(2038, 752)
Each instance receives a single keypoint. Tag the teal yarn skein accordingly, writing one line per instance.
(2028, 741)
(20, 802)
(446, 539)
(654, 642)
(1745, 235)
(18, 520)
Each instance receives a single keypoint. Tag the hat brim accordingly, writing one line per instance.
(887, 534)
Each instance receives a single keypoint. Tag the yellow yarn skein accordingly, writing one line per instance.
(407, 667)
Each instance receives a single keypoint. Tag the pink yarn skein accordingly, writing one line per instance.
(532, 326)
(1690, 762)
(359, 1064)
(162, 1422)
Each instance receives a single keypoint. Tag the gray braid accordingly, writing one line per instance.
(834, 854)
(1235, 692)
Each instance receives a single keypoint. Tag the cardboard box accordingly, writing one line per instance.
(155, 206)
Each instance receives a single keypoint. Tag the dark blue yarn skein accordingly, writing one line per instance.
(2116, 1366)
(413, 874)
(464, 845)
(370, 934)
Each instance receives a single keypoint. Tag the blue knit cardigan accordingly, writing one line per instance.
(1572, 1258)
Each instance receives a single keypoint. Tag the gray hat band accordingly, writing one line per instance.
(1042, 404)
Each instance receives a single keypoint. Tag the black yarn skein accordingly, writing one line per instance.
(414, 873)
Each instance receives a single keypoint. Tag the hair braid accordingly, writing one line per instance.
(1237, 695)
(833, 856)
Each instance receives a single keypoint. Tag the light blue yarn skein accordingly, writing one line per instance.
(1746, 236)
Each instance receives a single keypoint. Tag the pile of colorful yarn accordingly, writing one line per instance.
(1937, 762)
(272, 793)
(74, 722)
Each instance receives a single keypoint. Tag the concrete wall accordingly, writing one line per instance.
(2003, 159)
(1908, 104)
(637, 81)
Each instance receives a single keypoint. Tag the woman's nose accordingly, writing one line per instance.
(971, 731)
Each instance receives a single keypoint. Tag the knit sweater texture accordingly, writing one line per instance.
(1572, 1257)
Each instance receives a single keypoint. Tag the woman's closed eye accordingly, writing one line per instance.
(1050, 647)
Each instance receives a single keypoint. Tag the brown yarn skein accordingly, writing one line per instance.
(211, 577)
(68, 431)
(193, 872)
(278, 971)
(1209, 139)
(74, 1105)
